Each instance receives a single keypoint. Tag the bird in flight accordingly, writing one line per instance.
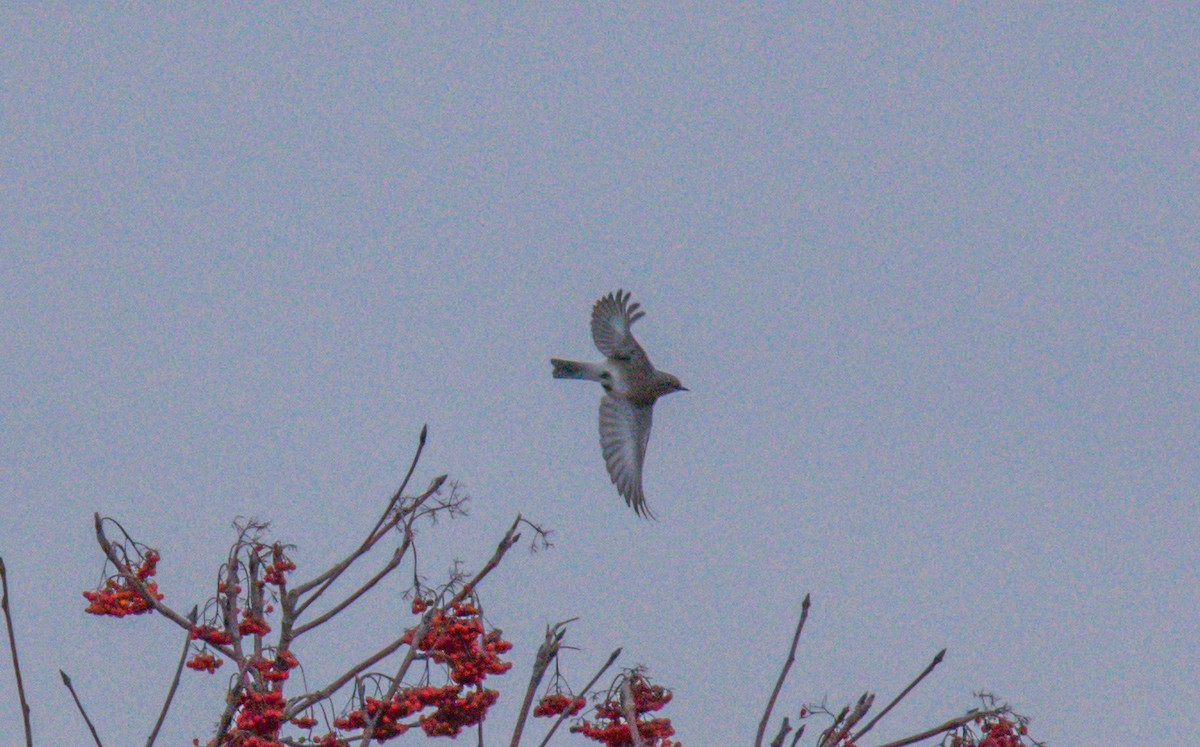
(631, 386)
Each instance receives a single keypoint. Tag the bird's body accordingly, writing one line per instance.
(631, 387)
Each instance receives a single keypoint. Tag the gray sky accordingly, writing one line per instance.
(930, 271)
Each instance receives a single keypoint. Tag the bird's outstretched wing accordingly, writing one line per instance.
(612, 316)
(624, 433)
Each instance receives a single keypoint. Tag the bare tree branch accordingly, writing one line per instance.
(846, 720)
(162, 716)
(67, 681)
(545, 654)
(409, 656)
(302, 702)
(509, 539)
(592, 683)
(324, 579)
(871, 724)
(630, 707)
(784, 728)
(787, 665)
(950, 725)
(390, 566)
(130, 576)
(12, 647)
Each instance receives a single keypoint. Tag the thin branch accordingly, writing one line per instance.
(12, 646)
(302, 702)
(834, 735)
(833, 727)
(391, 565)
(545, 654)
(629, 705)
(232, 701)
(871, 724)
(784, 728)
(953, 723)
(418, 634)
(509, 539)
(229, 617)
(404, 483)
(787, 665)
(129, 575)
(374, 534)
(326, 579)
(67, 681)
(162, 716)
(563, 716)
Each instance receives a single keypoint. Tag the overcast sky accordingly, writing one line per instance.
(931, 272)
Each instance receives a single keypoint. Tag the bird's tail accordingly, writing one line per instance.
(575, 370)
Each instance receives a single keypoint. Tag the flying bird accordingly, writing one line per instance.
(631, 386)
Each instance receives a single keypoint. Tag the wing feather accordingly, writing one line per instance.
(624, 434)
(612, 318)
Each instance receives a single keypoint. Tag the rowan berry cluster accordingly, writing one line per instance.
(261, 704)
(457, 639)
(260, 715)
(118, 596)
(611, 726)
(555, 704)
(997, 731)
(204, 662)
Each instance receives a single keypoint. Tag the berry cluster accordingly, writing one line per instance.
(459, 641)
(280, 564)
(999, 731)
(555, 704)
(454, 711)
(611, 728)
(260, 711)
(118, 596)
(210, 634)
(260, 715)
(204, 662)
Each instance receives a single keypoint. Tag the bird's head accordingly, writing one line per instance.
(672, 384)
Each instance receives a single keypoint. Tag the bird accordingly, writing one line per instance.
(631, 387)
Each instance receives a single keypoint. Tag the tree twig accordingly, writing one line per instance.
(391, 565)
(846, 720)
(162, 716)
(545, 654)
(787, 665)
(67, 681)
(784, 728)
(323, 580)
(326, 579)
(953, 723)
(871, 724)
(629, 706)
(509, 539)
(419, 633)
(129, 575)
(302, 702)
(12, 647)
(563, 716)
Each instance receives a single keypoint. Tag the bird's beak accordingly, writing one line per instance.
(683, 388)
